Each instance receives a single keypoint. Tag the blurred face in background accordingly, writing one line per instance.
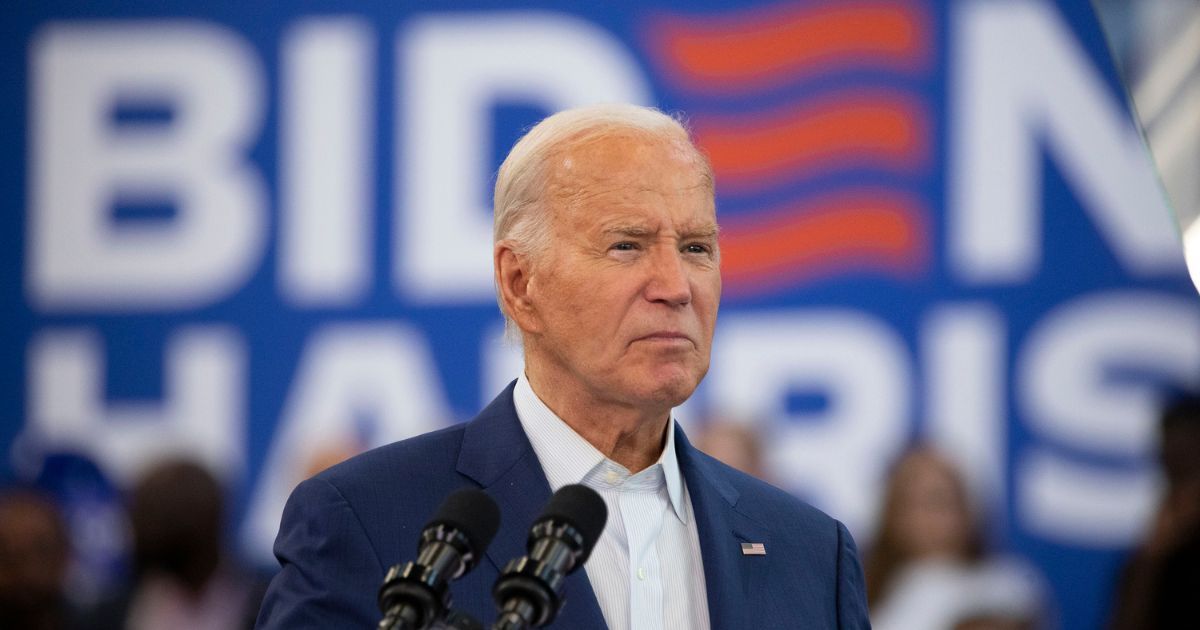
(932, 518)
(34, 552)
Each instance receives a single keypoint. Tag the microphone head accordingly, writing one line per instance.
(582, 508)
(473, 513)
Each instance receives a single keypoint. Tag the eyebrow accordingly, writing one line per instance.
(628, 230)
(706, 231)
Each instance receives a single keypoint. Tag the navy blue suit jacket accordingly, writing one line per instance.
(342, 529)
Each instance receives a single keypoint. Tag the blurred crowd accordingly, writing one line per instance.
(928, 564)
(69, 561)
(931, 564)
(73, 557)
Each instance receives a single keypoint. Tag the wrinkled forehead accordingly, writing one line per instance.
(627, 161)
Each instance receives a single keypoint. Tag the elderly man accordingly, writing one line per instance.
(607, 266)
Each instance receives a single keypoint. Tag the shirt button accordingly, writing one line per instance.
(612, 476)
(641, 573)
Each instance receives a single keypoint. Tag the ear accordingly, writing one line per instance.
(512, 286)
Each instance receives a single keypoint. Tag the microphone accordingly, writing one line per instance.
(415, 595)
(529, 591)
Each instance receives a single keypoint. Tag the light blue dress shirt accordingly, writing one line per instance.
(646, 570)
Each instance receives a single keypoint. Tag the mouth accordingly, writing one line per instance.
(665, 337)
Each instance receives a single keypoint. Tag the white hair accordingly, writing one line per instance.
(520, 216)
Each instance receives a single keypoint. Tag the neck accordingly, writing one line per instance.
(627, 434)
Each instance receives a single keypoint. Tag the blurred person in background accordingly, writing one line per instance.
(35, 552)
(736, 444)
(1159, 586)
(928, 568)
(181, 576)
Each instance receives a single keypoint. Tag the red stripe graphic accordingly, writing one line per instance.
(759, 48)
(879, 231)
(880, 129)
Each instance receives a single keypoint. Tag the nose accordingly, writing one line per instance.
(669, 281)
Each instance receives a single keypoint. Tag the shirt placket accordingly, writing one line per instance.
(642, 511)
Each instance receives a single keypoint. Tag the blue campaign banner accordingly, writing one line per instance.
(260, 236)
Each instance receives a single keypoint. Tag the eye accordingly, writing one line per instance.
(697, 248)
(624, 246)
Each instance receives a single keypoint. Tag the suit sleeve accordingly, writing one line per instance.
(851, 587)
(330, 572)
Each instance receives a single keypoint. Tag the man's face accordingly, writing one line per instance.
(625, 297)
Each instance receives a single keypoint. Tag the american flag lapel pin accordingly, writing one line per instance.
(753, 549)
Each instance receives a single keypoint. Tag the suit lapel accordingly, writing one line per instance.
(721, 529)
(497, 455)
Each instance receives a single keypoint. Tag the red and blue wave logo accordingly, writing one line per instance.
(819, 133)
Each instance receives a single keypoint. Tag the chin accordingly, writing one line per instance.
(669, 390)
(672, 397)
